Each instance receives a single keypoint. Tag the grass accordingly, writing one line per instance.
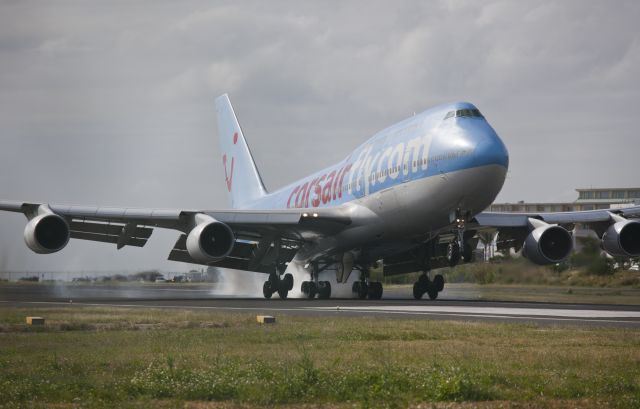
(105, 357)
(540, 293)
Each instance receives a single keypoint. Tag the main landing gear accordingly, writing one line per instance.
(364, 288)
(276, 284)
(315, 287)
(320, 288)
(424, 285)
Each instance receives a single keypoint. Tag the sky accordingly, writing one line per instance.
(112, 103)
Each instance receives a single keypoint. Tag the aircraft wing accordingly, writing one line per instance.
(513, 228)
(256, 231)
(503, 219)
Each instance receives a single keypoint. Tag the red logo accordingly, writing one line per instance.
(229, 175)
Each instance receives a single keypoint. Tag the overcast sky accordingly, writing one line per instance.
(105, 103)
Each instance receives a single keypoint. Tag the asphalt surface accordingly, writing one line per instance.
(397, 303)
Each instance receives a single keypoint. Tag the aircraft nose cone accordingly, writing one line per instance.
(490, 150)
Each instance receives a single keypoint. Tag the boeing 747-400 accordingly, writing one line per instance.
(411, 197)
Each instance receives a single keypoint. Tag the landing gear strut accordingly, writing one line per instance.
(364, 288)
(276, 284)
(424, 285)
(313, 287)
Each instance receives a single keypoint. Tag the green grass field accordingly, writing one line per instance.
(106, 357)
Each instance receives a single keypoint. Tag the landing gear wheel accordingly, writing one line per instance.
(418, 291)
(283, 293)
(438, 282)
(287, 280)
(313, 289)
(309, 289)
(266, 289)
(421, 286)
(361, 289)
(324, 290)
(432, 292)
(375, 290)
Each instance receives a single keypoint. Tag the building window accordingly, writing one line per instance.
(618, 194)
(604, 194)
(634, 194)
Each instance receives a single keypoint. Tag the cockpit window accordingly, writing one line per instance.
(468, 113)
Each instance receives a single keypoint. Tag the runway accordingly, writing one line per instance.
(397, 303)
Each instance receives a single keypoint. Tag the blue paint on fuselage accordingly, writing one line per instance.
(397, 155)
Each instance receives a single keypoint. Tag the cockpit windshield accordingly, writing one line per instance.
(469, 113)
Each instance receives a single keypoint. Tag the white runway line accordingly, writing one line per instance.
(490, 311)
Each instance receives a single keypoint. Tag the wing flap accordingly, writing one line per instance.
(109, 229)
(119, 234)
(131, 241)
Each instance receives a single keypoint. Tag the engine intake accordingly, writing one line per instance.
(46, 233)
(622, 239)
(210, 241)
(548, 244)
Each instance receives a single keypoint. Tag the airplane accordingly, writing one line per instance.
(411, 198)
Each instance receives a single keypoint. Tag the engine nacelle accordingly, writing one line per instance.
(548, 244)
(47, 233)
(622, 239)
(210, 241)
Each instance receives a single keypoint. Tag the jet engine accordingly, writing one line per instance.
(46, 233)
(547, 244)
(210, 241)
(622, 239)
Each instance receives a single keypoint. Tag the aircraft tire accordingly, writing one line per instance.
(313, 290)
(432, 291)
(362, 290)
(375, 290)
(283, 293)
(418, 291)
(324, 290)
(266, 289)
(438, 282)
(288, 281)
